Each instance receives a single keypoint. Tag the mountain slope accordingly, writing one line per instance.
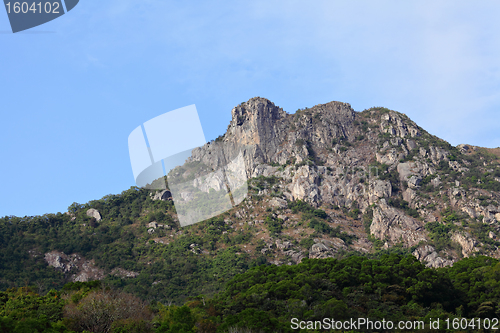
(379, 163)
(326, 181)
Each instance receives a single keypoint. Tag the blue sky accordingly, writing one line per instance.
(73, 89)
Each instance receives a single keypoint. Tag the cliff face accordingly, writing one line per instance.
(267, 135)
(376, 165)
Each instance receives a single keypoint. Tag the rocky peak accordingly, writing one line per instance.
(335, 112)
(378, 164)
(398, 125)
(256, 122)
(256, 129)
(257, 112)
(266, 134)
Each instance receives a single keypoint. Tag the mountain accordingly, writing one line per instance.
(326, 181)
(377, 175)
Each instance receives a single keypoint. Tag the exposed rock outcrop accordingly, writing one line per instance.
(261, 131)
(120, 272)
(379, 189)
(413, 172)
(324, 156)
(92, 212)
(392, 224)
(278, 203)
(163, 195)
(326, 248)
(396, 125)
(80, 269)
(466, 242)
(305, 185)
(431, 258)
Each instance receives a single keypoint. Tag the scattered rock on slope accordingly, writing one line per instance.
(92, 212)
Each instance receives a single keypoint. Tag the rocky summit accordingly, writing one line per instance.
(379, 177)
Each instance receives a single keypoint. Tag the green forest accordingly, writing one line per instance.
(267, 297)
(204, 280)
(122, 236)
